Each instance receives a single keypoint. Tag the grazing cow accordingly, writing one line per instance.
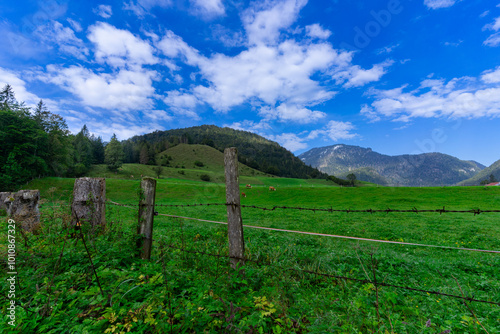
(249, 186)
(142, 176)
(243, 194)
(131, 176)
(272, 189)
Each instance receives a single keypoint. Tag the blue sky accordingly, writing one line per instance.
(407, 76)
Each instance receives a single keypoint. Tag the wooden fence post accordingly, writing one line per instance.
(235, 224)
(89, 201)
(146, 216)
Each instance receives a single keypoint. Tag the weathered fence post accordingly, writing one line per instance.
(22, 206)
(89, 201)
(235, 224)
(146, 216)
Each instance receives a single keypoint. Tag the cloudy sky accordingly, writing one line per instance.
(399, 76)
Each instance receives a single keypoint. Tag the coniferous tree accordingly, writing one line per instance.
(82, 152)
(114, 154)
(97, 150)
(23, 148)
(144, 154)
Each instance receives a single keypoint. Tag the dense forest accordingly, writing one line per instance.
(37, 143)
(253, 150)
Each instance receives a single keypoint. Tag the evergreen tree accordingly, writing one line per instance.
(97, 150)
(7, 98)
(114, 154)
(23, 149)
(59, 150)
(82, 152)
(41, 115)
(144, 154)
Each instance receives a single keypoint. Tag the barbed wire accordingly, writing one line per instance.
(470, 299)
(331, 209)
(276, 207)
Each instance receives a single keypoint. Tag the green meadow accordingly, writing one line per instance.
(190, 292)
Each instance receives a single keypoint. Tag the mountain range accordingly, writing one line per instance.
(427, 169)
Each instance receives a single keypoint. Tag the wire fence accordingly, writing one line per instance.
(323, 274)
(375, 282)
(322, 210)
(331, 209)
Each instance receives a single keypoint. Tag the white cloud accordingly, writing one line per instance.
(103, 11)
(316, 31)
(460, 97)
(494, 39)
(158, 115)
(75, 25)
(264, 22)
(292, 113)
(273, 75)
(435, 4)
(355, 76)
(491, 76)
(64, 38)
(228, 37)
(182, 103)
(173, 46)
(290, 141)
(493, 26)
(125, 90)
(387, 49)
(208, 8)
(335, 131)
(251, 126)
(123, 130)
(118, 47)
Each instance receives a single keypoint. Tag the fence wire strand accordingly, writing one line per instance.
(470, 299)
(338, 236)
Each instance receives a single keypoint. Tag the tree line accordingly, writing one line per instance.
(37, 143)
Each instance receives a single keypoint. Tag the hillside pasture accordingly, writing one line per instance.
(187, 292)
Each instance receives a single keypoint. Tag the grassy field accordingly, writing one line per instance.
(179, 292)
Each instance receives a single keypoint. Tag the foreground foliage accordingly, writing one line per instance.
(189, 292)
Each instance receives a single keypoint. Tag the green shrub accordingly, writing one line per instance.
(198, 163)
(205, 177)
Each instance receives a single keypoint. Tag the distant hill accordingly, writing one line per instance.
(253, 150)
(186, 156)
(494, 170)
(427, 169)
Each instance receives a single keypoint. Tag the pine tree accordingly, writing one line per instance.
(82, 152)
(114, 154)
(97, 150)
